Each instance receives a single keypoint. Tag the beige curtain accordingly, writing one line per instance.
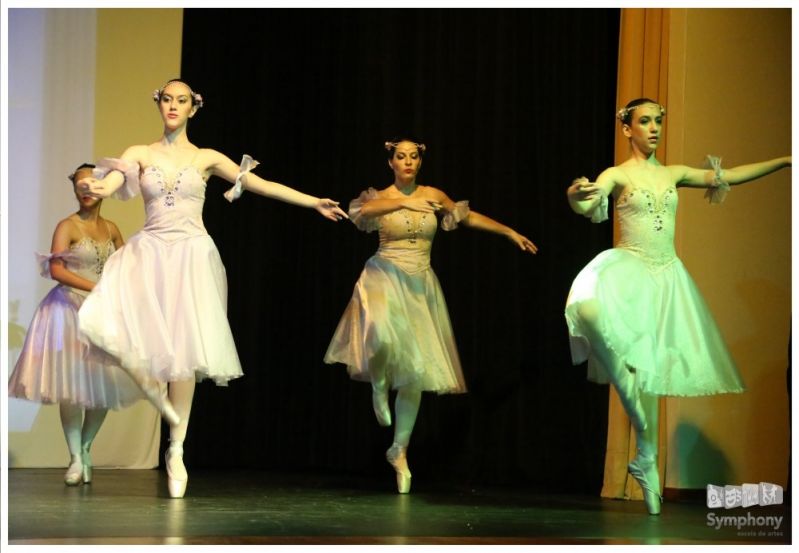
(643, 71)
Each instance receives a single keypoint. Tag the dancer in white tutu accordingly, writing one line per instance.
(161, 306)
(396, 332)
(53, 366)
(634, 312)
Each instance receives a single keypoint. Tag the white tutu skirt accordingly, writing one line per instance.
(656, 321)
(54, 367)
(161, 309)
(397, 324)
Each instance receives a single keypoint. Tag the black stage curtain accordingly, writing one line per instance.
(512, 104)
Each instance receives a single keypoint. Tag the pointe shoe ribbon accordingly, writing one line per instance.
(397, 457)
(177, 477)
(645, 472)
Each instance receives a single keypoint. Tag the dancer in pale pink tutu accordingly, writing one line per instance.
(53, 366)
(396, 332)
(161, 306)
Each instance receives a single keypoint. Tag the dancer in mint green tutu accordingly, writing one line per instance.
(634, 312)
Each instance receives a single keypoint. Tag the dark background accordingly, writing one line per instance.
(512, 104)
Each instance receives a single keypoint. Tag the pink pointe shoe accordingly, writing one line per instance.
(645, 471)
(177, 477)
(86, 459)
(157, 395)
(74, 474)
(396, 456)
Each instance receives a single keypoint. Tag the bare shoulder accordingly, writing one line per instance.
(113, 227)
(67, 229)
(432, 192)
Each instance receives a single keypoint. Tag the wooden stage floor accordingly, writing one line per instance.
(123, 507)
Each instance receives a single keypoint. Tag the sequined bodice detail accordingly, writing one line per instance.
(88, 256)
(647, 221)
(173, 202)
(406, 238)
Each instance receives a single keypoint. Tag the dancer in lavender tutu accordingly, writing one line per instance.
(53, 366)
(161, 306)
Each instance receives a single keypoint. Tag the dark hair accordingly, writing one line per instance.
(196, 99)
(625, 114)
(75, 172)
(391, 145)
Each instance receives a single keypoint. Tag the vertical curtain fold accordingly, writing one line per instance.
(642, 72)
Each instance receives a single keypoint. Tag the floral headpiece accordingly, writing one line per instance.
(198, 99)
(623, 113)
(391, 145)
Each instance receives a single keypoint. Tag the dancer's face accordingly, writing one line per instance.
(85, 201)
(645, 128)
(405, 162)
(175, 105)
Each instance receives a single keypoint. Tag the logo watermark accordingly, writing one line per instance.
(745, 495)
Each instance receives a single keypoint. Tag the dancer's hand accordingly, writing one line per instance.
(524, 243)
(90, 186)
(330, 209)
(425, 205)
(583, 190)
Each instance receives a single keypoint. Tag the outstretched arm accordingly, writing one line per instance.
(584, 196)
(705, 178)
(222, 166)
(479, 221)
(62, 238)
(105, 187)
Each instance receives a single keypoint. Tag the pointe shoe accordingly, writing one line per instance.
(177, 477)
(380, 406)
(157, 395)
(397, 457)
(74, 474)
(86, 459)
(645, 471)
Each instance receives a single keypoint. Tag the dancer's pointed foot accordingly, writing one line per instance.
(177, 476)
(645, 471)
(397, 457)
(380, 406)
(157, 394)
(74, 474)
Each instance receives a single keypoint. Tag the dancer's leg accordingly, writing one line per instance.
(380, 389)
(92, 422)
(181, 394)
(618, 373)
(71, 421)
(406, 408)
(644, 467)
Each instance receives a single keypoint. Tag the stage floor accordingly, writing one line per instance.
(252, 507)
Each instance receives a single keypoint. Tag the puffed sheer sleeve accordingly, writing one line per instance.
(718, 192)
(366, 224)
(43, 261)
(600, 211)
(247, 164)
(129, 169)
(452, 218)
